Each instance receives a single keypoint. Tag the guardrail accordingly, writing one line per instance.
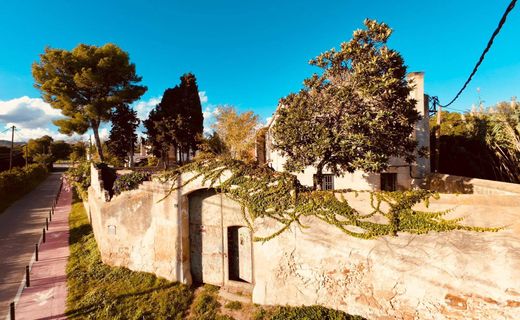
(26, 281)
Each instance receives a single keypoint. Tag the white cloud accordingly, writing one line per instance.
(143, 108)
(27, 113)
(203, 97)
(24, 134)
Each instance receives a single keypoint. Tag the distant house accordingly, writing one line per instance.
(399, 176)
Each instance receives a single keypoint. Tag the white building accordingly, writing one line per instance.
(399, 176)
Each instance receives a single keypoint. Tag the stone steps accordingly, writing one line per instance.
(237, 291)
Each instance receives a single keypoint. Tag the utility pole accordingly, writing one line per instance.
(26, 152)
(438, 138)
(12, 146)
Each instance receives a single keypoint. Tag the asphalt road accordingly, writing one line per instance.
(20, 229)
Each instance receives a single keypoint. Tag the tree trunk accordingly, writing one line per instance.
(131, 153)
(95, 129)
(318, 177)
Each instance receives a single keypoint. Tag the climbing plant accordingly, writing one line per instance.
(265, 193)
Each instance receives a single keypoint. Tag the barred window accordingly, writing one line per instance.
(327, 182)
(388, 181)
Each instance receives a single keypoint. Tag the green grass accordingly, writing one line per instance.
(98, 291)
(303, 313)
(233, 305)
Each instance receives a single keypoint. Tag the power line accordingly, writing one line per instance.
(490, 43)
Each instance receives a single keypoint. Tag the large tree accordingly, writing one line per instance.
(355, 114)
(177, 121)
(39, 146)
(86, 84)
(61, 150)
(123, 136)
(237, 131)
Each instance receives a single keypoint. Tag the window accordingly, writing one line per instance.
(328, 182)
(388, 181)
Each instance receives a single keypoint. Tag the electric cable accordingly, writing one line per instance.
(490, 43)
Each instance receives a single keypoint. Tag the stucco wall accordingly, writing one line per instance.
(454, 275)
(447, 183)
(458, 275)
(138, 231)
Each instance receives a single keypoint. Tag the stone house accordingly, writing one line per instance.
(399, 176)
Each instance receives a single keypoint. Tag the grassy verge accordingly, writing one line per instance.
(97, 291)
(297, 313)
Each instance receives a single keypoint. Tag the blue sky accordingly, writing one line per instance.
(252, 53)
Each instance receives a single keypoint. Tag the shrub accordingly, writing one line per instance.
(130, 181)
(79, 176)
(19, 181)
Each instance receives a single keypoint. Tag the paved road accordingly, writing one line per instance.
(20, 228)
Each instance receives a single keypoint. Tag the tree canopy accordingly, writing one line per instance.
(177, 121)
(61, 150)
(86, 83)
(237, 131)
(355, 114)
(39, 146)
(123, 136)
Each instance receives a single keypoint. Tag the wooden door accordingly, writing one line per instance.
(206, 238)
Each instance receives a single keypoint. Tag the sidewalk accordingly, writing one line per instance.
(20, 228)
(46, 296)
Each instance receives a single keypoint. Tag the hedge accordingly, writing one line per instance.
(19, 181)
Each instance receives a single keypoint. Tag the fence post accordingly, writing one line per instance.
(43, 237)
(27, 278)
(11, 311)
(36, 248)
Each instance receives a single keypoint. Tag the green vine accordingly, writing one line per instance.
(265, 193)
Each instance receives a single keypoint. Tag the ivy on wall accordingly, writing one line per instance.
(265, 193)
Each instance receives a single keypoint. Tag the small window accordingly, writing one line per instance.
(328, 182)
(388, 181)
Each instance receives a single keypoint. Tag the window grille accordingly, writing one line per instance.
(388, 181)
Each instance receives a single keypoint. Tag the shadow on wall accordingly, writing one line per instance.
(108, 176)
(449, 184)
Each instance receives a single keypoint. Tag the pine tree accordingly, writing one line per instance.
(86, 83)
(177, 121)
(123, 135)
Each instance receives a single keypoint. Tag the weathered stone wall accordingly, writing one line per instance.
(447, 183)
(454, 275)
(138, 231)
(457, 275)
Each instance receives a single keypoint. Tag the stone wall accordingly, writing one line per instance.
(457, 275)
(446, 183)
(138, 231)
(453, 275)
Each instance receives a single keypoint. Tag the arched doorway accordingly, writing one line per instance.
(220, 246)
(206, 245)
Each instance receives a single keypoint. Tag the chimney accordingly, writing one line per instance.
(421, 167)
